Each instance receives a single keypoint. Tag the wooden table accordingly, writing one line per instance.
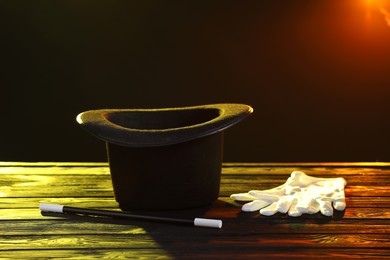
(362, 230)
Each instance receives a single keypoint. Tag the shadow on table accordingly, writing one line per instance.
(198, 242)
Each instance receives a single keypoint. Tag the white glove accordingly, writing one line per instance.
(298, 195)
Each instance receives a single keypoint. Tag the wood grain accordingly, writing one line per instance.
(361, 231)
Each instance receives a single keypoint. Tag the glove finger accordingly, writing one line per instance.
(339, 204)
(270, 210)
(326, 207)
(280, 190)
(284, 204)
(242, 197)
(255, 205)
(293, 211)
(308, 206)
(314, 207)
(264, 196)
(304, 204)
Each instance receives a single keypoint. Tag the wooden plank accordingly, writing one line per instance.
(33, 203)
(102, 187)
(86, 253)
(350, 191)
(314, 171)
(57, 185)
(307, 164)
(64, 184)
(246, 228)
(225, 164)
(209, 241)
(377, 180)
(352, 202)
(109, 202)
(170, 253)
(226, 213)
(286, 171)
(53, 164)
(54, 170)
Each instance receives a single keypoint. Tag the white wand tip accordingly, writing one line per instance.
(51, 208)
(204, 222)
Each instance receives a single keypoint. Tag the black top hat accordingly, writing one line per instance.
(158, 127)
(166, 158)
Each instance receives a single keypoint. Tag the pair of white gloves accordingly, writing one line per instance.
(300, 194)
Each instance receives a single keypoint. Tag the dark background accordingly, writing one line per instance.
(315, 72)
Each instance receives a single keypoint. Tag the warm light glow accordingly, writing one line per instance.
(386, 14)
(375, 5)
(376, 2)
